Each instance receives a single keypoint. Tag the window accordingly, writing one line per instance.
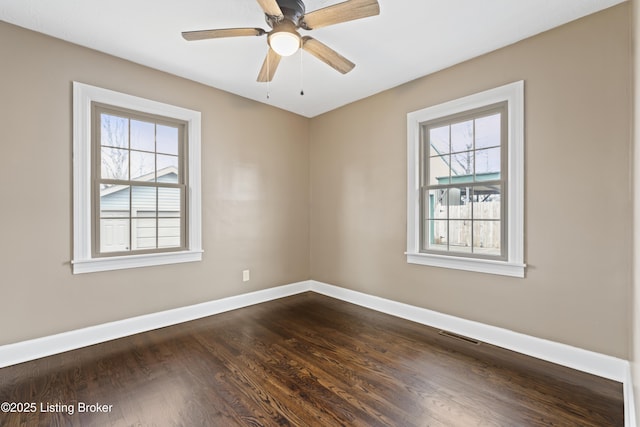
(136, 182)
(465, 183)
(462, 186)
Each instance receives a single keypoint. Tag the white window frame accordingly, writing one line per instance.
(514, 266)
(83, 261)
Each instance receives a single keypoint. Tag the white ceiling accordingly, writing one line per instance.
(409, 39)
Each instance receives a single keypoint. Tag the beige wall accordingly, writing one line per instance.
(577, 205)
(255, 193)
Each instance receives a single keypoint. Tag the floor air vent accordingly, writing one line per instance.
(459, 337)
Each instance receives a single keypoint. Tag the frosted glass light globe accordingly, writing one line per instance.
(284, 43)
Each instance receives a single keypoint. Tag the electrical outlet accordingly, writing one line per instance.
(246, 275)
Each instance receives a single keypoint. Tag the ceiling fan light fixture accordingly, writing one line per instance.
(284, 43)
(285, 18)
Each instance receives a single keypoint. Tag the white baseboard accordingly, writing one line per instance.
(561, 354)
(12, 354)
(629, 401)
(583, 360)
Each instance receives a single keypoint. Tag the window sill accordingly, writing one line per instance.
(503, 268)
(134, 261)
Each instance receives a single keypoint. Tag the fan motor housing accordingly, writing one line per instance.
(293, 10)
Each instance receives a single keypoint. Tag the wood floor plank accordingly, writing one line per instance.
(306, 360)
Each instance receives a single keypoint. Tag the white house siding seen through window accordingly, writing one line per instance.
(463, 187)
(139, 188)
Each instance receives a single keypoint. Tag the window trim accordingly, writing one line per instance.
(83, 261)
(514, 266)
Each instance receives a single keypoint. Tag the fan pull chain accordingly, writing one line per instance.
(268, 74)
(301, 75)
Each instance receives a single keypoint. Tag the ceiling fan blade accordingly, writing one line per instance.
(271, 8)
(342, 12)
(327, 55)
(216, 34)
(269, 66)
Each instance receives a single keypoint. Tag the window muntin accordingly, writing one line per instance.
(462, 184)
(138, 191)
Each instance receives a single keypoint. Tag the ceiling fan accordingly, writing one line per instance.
(286, 17)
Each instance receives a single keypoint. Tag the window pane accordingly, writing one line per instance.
(145, 233)
(167, 168)
(462, 136)
(439, 141)
(114, 131)
(486, 237)
(143, 136)
(167, 139)
(459, 203)
(435, 235)
(460, 236)
(114, 163)
(488, 131)
(488, 164)
(169, 201)
(143, 201)
(114, 201)
(462, 167)
(143, 166)
(486, 202)
(114, 235)
(169, 233)
(439, 170)
(437, 204)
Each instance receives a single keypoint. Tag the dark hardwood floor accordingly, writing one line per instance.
(305, 360)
